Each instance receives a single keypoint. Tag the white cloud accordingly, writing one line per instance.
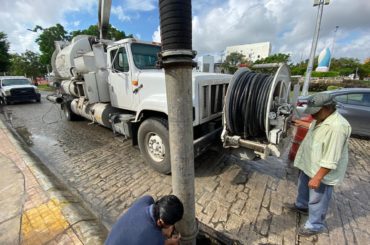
(137, 36)
(156, 37)
(143, 5)
(121, 15)
(287, 24)
(19, 15)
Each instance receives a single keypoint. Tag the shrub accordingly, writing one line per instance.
(325, 74)
(332, 87)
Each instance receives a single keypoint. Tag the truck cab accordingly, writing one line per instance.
(17, 89)
(136, 84)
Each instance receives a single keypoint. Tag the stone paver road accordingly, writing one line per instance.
(242, 199)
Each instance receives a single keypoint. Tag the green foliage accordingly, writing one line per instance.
(45, 87)
(93, 30)
(332, 87)
(27, 64)
(324, 74)
(322, 86)
(275, 58)
(57, 33)
(344, 63)
(233, 61)
(4, 55)
(301, 67)
(348, 66)
(46, 41)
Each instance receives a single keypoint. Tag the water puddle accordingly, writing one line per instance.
(25, 134)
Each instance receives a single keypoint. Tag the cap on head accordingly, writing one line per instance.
(317, 101)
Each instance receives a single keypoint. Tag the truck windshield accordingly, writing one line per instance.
(9, 82)
(145, 55)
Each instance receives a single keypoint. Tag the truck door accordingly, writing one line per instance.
(120, 88)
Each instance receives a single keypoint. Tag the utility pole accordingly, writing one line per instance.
(177, 60)
(320, 4)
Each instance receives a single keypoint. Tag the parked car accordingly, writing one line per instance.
(17, 89)
(353, 104)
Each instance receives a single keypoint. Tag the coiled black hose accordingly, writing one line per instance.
(246, 103)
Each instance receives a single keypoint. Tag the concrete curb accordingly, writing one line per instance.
(82, 221)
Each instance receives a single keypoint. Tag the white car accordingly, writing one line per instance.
(17, 89)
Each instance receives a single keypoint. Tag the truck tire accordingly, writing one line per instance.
(68, 113)
(154, 144)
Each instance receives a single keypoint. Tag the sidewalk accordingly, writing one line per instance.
(34, 207)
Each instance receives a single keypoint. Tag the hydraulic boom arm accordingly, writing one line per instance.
(104, 14)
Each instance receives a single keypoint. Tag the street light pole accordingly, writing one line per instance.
(321, 4)
(332, 47)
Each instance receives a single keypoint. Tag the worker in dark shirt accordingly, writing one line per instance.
(148, 222)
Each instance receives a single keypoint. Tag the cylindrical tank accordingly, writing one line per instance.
(64, 59)
(69, 87)
(98, 112)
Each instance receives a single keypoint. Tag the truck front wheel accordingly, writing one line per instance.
(154, 144)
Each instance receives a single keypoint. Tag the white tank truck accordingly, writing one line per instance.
(117, 84)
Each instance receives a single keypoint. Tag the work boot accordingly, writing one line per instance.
(294, 208)
(307, 232)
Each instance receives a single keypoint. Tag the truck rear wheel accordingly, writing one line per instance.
(68, 113)
(154, 144)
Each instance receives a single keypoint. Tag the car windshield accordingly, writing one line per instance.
(9, 82)
(145, 55)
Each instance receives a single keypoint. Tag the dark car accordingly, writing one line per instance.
(353, 104)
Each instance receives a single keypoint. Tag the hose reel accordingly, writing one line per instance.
(256, 110)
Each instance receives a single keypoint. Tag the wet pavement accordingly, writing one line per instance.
(241, 199)
(35, 208)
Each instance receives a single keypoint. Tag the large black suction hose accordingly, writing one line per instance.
(246, 103)
(176, 31)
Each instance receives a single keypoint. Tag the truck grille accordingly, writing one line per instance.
(212, 94)
(22, 91)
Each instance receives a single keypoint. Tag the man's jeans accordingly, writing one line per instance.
(316, 200)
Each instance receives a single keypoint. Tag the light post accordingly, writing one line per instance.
(320, 4)
(332, 47)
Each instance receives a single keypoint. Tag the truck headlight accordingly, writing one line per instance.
(37, 90)
(7, 92)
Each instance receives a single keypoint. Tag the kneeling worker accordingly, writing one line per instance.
(148, 222)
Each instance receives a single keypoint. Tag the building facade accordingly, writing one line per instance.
(253, 52)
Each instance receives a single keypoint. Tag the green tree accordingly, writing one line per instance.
(93, 30)
(46, 41)
(275, 58)
(301, 67)
(366, 68)
(27, 64)
(298, 68)
(57, 33)
(233, 61)
(345, 66)
(4, 55)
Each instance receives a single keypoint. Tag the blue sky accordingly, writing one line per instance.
(287, 24)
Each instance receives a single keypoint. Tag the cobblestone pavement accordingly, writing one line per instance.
(242, 199)
(47, 213)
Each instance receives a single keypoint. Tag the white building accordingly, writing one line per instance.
(206, 63)
(253, 52)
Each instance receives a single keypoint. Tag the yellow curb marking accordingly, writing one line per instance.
(43, 223)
